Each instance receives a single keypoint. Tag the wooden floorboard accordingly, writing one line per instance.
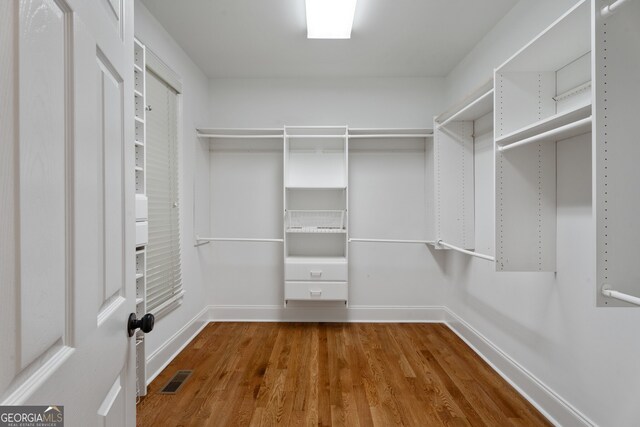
(333, 374)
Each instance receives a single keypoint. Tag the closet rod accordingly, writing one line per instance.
(235, 239)
(464, 251)
(209, 135)
(225, 130)
(547, 134)
(619, 295)
(378, 130)
(316, 136)
(392, 135)
(610, 9)
(427, 242)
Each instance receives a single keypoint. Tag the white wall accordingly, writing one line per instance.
(159, 343)
(523, 22)
(545, 322)
(388, 190)
(357, 102)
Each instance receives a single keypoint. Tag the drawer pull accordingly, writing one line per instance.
(315, 293)
(316, 273)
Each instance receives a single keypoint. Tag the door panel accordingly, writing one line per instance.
(43, 177)
(67, 208)
(115, 13)
(110, 107)
(9, 248)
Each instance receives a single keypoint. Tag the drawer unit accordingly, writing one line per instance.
(142, 233)
(315, 270)
(141, 207)
(321, 291)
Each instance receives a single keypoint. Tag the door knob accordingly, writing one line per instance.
(145, 324)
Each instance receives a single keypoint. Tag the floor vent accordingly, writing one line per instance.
(176, 382)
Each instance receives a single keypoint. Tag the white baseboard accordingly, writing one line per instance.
(160, 358)
(557, 410)
(373, 314)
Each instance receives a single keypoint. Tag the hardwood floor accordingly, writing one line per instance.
(327, 374)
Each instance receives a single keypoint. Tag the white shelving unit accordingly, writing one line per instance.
(315, 213)
(616, 150)
(141, 209)
(543, 94)
(455, 133)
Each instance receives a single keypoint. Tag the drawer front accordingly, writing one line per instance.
(336, 272)
(142, 233)
(141, 207)
(322, 291)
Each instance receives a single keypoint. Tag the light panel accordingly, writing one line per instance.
(330, 19)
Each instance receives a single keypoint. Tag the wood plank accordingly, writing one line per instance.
(304, 374)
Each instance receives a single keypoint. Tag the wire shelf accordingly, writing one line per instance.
(306, 221)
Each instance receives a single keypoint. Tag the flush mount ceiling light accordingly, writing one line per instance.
(330, 19)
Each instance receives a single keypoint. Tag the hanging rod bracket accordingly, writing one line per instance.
(610, 293)
(611, 8)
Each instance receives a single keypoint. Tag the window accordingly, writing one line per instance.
(164, 275)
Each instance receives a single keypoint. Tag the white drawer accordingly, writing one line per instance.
(141, 207)
(326, 271)
(142, 233)
(322, 291)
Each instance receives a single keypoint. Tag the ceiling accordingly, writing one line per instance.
(267, 38)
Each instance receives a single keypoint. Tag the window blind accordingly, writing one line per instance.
(164, 275)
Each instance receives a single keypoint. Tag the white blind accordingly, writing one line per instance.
(164, 275)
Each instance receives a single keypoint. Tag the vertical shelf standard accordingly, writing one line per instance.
(616, 150)
(315, 214)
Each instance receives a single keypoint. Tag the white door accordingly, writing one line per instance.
(66, 208)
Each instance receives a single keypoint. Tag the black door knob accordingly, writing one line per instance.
(145, 324)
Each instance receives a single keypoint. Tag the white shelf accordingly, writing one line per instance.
(315, 230)
(139, 120)
(240, 133)
(391, 133)
(139, 169)
(329, 136)
(295, 187)
(139, 301)
(316, 131)
(548, 124)
(139, 143)
(139, 276)
(315, 260)
(477, 108)
(137, 67)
